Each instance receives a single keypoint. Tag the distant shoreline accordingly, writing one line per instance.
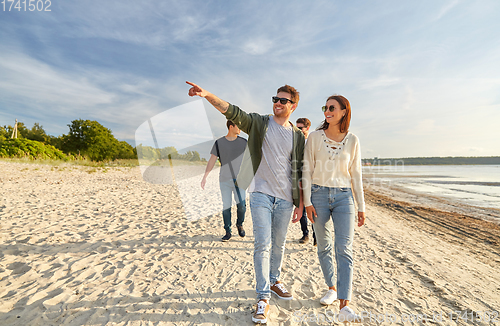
(414, 164)
(486, 160)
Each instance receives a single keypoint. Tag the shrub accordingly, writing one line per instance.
(19, 147)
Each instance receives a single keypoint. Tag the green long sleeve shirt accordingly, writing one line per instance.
(255, 125)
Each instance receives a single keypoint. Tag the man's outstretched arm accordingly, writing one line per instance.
(210, 166)
(219, 104)
(242, 119)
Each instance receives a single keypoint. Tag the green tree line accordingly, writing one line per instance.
(85, 139)
(150, 153)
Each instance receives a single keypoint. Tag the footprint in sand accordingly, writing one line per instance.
(308, 290)
(368, 297)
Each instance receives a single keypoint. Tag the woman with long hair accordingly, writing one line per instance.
(331, 175)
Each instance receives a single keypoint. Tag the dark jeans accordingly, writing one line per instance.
(227, 189)
(303, 225)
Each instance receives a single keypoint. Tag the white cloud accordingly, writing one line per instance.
(147, 23)
(26, 78)
(257, 46)
(423, 127)
(446, 8)
(47, 94)
(383, 81)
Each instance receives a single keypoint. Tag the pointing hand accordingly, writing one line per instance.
(196, 90)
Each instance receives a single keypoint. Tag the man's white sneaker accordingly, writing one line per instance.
(347, 315)
(329, 298)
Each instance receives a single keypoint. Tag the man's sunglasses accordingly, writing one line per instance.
(281, 99)
(331, 108)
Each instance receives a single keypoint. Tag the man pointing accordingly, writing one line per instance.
(271, 170)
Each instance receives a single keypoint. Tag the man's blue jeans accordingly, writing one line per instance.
(335, 210)
(303, 224)
(227, 189)
(270, 216)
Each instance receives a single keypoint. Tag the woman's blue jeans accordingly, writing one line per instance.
(270, 216)
(335, 212)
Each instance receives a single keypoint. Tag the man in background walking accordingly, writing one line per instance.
(229, 149)
(304, 124)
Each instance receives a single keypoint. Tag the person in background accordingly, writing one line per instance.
(304, 124)
(229, 149)
(331, 175)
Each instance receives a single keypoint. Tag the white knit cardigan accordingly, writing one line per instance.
(333, 164)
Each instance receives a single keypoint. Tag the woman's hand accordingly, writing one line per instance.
(361, 218)
(311, 213)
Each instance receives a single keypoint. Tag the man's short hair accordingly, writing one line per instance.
(294, 94)
(304, 121)
(229, 123)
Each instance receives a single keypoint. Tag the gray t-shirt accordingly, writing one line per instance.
(230, 151)
(274, 175)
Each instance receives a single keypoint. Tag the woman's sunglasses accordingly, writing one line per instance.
(331, 108)
(281, 99)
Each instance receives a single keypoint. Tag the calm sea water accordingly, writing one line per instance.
(477, 185)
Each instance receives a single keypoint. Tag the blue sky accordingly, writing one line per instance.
(423, 77)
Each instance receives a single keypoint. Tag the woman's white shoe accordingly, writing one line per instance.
(347, 315)
(329, 298)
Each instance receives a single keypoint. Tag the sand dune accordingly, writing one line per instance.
(86, 246)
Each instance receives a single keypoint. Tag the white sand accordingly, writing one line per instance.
(107, 248)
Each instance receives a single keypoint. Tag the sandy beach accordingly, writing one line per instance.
(92, 246)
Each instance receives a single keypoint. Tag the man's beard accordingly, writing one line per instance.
(283, 113)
